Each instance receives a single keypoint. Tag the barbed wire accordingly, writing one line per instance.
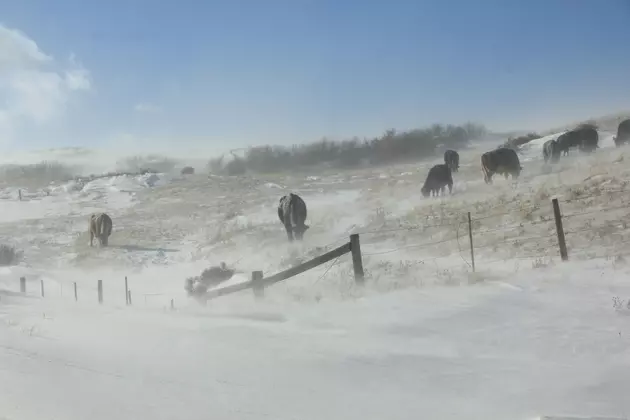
(489, 216)
(625, 206)
(453, 225)
(410, 246)
(413, 227)
(510, 228)
(517, 258)
(327, 269)
(514, 240)
(598, 194)
(593, 228)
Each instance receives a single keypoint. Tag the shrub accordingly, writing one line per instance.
(391, 147)
(41, 173)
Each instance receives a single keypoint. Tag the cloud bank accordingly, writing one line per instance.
(34, 87)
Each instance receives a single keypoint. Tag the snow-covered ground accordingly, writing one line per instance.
(522, 337)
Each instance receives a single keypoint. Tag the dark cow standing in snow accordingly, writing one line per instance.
(589, 138)
(623, 133)
(584, 137)
(501, 161)
(451, 159)
(551, 150)
(439, 177)
(567, 141)
(292, 214)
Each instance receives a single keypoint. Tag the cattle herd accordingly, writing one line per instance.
(503, 160)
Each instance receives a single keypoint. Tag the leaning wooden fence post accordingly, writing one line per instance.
(559, 230)
(76, 296)
(357, 262)
(257, 284)
(41, 282)
(22, 284)
(472, 249)
(126, 291)
(100, 291)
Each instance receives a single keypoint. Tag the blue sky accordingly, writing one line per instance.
(223, 74)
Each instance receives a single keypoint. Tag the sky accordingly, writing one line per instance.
(217, 75)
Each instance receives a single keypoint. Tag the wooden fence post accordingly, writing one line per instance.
(100, 291)
(129, 296)
(172, 305)
(22, 284)
(257, 284)
(472, 249)
(76, 296)
(41, 282)
(357, 261)
(126, 291)
(559, 230)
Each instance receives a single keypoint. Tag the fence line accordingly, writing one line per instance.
(598, 194)
(557, 234)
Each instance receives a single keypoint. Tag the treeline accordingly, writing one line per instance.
(391, 147)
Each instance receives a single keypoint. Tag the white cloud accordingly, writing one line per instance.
(147, 107)
(34, 88)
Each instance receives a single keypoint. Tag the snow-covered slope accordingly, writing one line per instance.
(512, 348)
(524, 336)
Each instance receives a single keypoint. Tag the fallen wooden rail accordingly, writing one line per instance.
(258, 282)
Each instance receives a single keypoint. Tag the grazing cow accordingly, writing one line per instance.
(501, 161)
(551, 150)
(451, 158)
(439, 177)
(292, 214)
(623, 133)
(187, 170)
(588, 138)
(584, 137)
(567, 141)
(100, 226)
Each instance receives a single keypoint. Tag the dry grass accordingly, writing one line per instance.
(234, 217)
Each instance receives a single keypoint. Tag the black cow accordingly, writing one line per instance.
(551, 150)
(623, 133)
(292, 214)
(589, 138)
(501, 161)
(439, 177)
(567, 141)
(584, 137)
(451, 159)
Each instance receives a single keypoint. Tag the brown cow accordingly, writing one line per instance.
(100, 226)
